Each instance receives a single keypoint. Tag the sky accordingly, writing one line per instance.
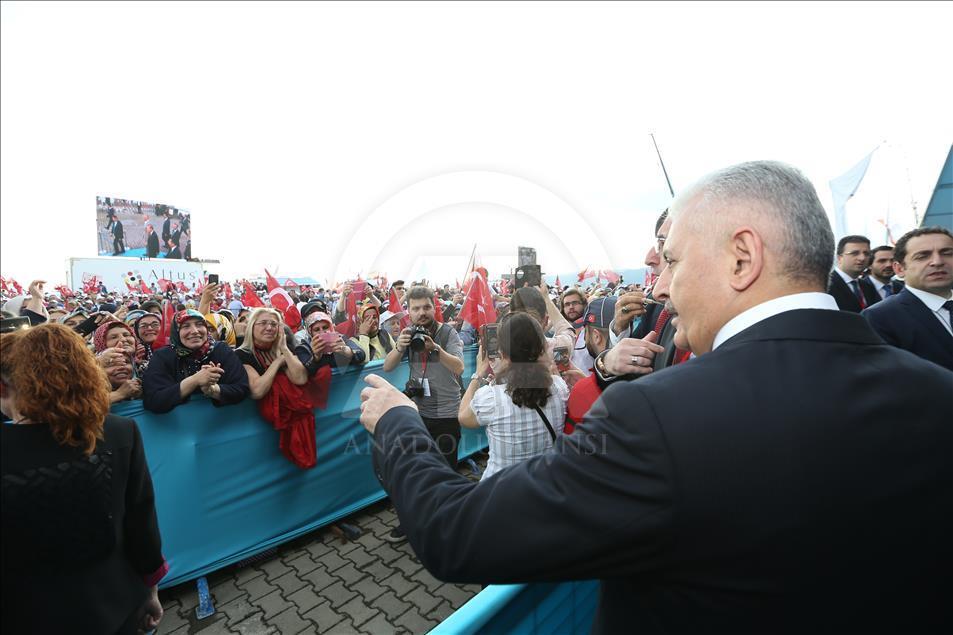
(335, 139)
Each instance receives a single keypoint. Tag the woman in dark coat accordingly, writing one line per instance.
(194, 361)
(81, 545)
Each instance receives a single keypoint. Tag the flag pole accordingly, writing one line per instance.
(664, 171)
(470, 264)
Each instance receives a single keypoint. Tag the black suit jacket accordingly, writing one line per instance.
(79, 534)
(844, 295)
(767, 486)
(152, 246)
(905, 321)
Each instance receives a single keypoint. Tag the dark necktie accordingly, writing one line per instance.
(888, 291)
(858, 293)
(948, 305)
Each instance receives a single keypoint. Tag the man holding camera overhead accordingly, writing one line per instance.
(435, 353)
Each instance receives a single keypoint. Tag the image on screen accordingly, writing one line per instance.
(136, 229)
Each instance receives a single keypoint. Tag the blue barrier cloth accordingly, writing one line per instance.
(224, 492)
(564, 607)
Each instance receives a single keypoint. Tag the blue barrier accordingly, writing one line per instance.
(564, 607)
(224, 492)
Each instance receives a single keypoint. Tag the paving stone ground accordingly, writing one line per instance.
(321, 584)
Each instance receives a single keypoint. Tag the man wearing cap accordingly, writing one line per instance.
(595, 335)
(370, 338)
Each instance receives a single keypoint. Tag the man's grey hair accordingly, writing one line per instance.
(783, 194)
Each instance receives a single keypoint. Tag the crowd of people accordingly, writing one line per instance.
(543, 363)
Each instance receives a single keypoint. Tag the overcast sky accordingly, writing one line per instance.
(328, 139)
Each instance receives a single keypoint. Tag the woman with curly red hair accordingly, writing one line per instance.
(81, 545)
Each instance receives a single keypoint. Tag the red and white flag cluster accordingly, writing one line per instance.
(282, 301)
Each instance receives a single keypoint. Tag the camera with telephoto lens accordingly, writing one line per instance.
(414, 388)
(418, 341)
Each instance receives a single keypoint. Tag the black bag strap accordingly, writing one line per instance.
(549, 426)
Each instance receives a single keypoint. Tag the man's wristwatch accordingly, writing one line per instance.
(482, 380)
(600, 366)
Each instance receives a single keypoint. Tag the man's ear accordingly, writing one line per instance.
(898, 268)
(747, 253)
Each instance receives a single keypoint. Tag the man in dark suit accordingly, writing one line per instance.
(152, 242)
(167, 230)
(766, 486)
(847, 284)
(880, 273)
(119, 246)
(918, 318)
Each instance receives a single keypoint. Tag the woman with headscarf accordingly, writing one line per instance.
(81, 545)
(326, 347)
(115, 348)
(221, 328)
(194, 361)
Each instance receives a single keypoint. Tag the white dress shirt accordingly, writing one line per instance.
(745, 319)
(881, 287)
(935, 304)
(847, 279)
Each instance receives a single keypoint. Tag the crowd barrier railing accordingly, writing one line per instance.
(563, 607)
(225, 493)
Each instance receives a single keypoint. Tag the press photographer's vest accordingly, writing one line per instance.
(445, 386)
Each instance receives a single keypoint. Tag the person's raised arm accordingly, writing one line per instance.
(462, 531)
(392, 360)
(295, 370)
(208, 294)
(35, 303)
(562, 329)
(465, 413)
(261, 384)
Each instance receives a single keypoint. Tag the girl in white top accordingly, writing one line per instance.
(524, 391)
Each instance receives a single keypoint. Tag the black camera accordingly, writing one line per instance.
(414, 388)
(418, 335)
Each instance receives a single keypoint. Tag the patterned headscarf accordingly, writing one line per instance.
(191, 361)
(99, 336)
(223, 327)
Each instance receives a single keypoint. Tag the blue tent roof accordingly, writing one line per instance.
(940, 210)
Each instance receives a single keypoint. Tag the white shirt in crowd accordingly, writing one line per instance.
(935, 304)
(517, 433)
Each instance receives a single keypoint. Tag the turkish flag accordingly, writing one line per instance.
(586, 273)
(168, 314)
(610, 276)
(504, 287)
(394, 307)
(143, 287)
(559, 285)
(228, 291)
(181, 287)
(249, 297)
(478, 305)
(438, 309)
(282, 301)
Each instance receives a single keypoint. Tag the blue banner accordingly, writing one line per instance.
(524, 609)
(224, 492)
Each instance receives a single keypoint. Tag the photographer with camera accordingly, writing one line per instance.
(435, 353)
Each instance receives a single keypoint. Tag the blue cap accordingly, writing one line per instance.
(599, 312)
